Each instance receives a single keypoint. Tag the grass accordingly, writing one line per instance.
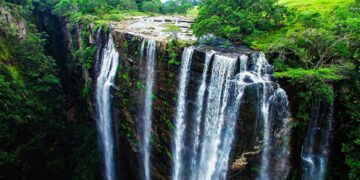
(321, 6)
(193, 12)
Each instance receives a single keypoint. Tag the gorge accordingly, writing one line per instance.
(227, 113)
(97, 90)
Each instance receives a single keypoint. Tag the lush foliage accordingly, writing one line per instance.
(350, 96)
(151, 6)
(235, 19)
(177, 6)
(41, 137)
(31, 110)
(324, 47)
(320, 48)
(314, 46)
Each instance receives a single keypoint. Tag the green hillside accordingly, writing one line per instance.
(299, 8)
(321, 6)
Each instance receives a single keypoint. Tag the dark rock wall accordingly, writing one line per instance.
(129, 97)
(128, 102)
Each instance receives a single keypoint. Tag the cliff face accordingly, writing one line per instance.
(74, 48)
(129, 95)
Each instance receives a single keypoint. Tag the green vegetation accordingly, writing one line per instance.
(193, 12)
(250, 17)
(327, 74)
(41, 137)
(103, 11)
(173, 30)
(177, 6)
(319, 6)
(31, 109)
(313, 45)
(349, 96)
(151, 6)
(319, 10)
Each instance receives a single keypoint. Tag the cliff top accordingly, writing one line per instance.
(160, 28)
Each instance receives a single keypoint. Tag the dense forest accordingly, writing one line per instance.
(48, 53)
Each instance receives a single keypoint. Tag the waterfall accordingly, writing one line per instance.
(178, 142)
(142, 50)
(275, 151)
(198, 114)
(105, 79)
(274, 111)
(98, 51)
(264, 174)
(314, 153)
(214, 119)
(147, 109)
(215, 142)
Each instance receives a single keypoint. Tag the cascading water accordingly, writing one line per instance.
(274, 110)
(105, 80)
(147, 109)
(198, 114)
(315, 153)
(98, 51)
(180, 114)
(275, 152)
(218, 102)
(221, 107)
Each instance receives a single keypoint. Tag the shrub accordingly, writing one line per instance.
(234, 19)
(151, 6)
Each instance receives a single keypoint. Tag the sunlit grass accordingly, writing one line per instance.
(193, 12)
(321, 6)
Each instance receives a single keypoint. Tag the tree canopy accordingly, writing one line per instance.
(234, 19)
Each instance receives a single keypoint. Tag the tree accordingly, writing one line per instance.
(127, 5)
(177, 6)
(173, 30)
(234, 19)
(65, 8)
(313, 48)
(151, 6)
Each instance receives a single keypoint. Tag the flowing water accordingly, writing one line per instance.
(216, 114)
(178, 140)
(198, 115)
(147, 110)
(105, 80)
(274, 110)
(221, 107)
(314, 154)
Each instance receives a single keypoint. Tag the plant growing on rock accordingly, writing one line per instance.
(173, 30)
